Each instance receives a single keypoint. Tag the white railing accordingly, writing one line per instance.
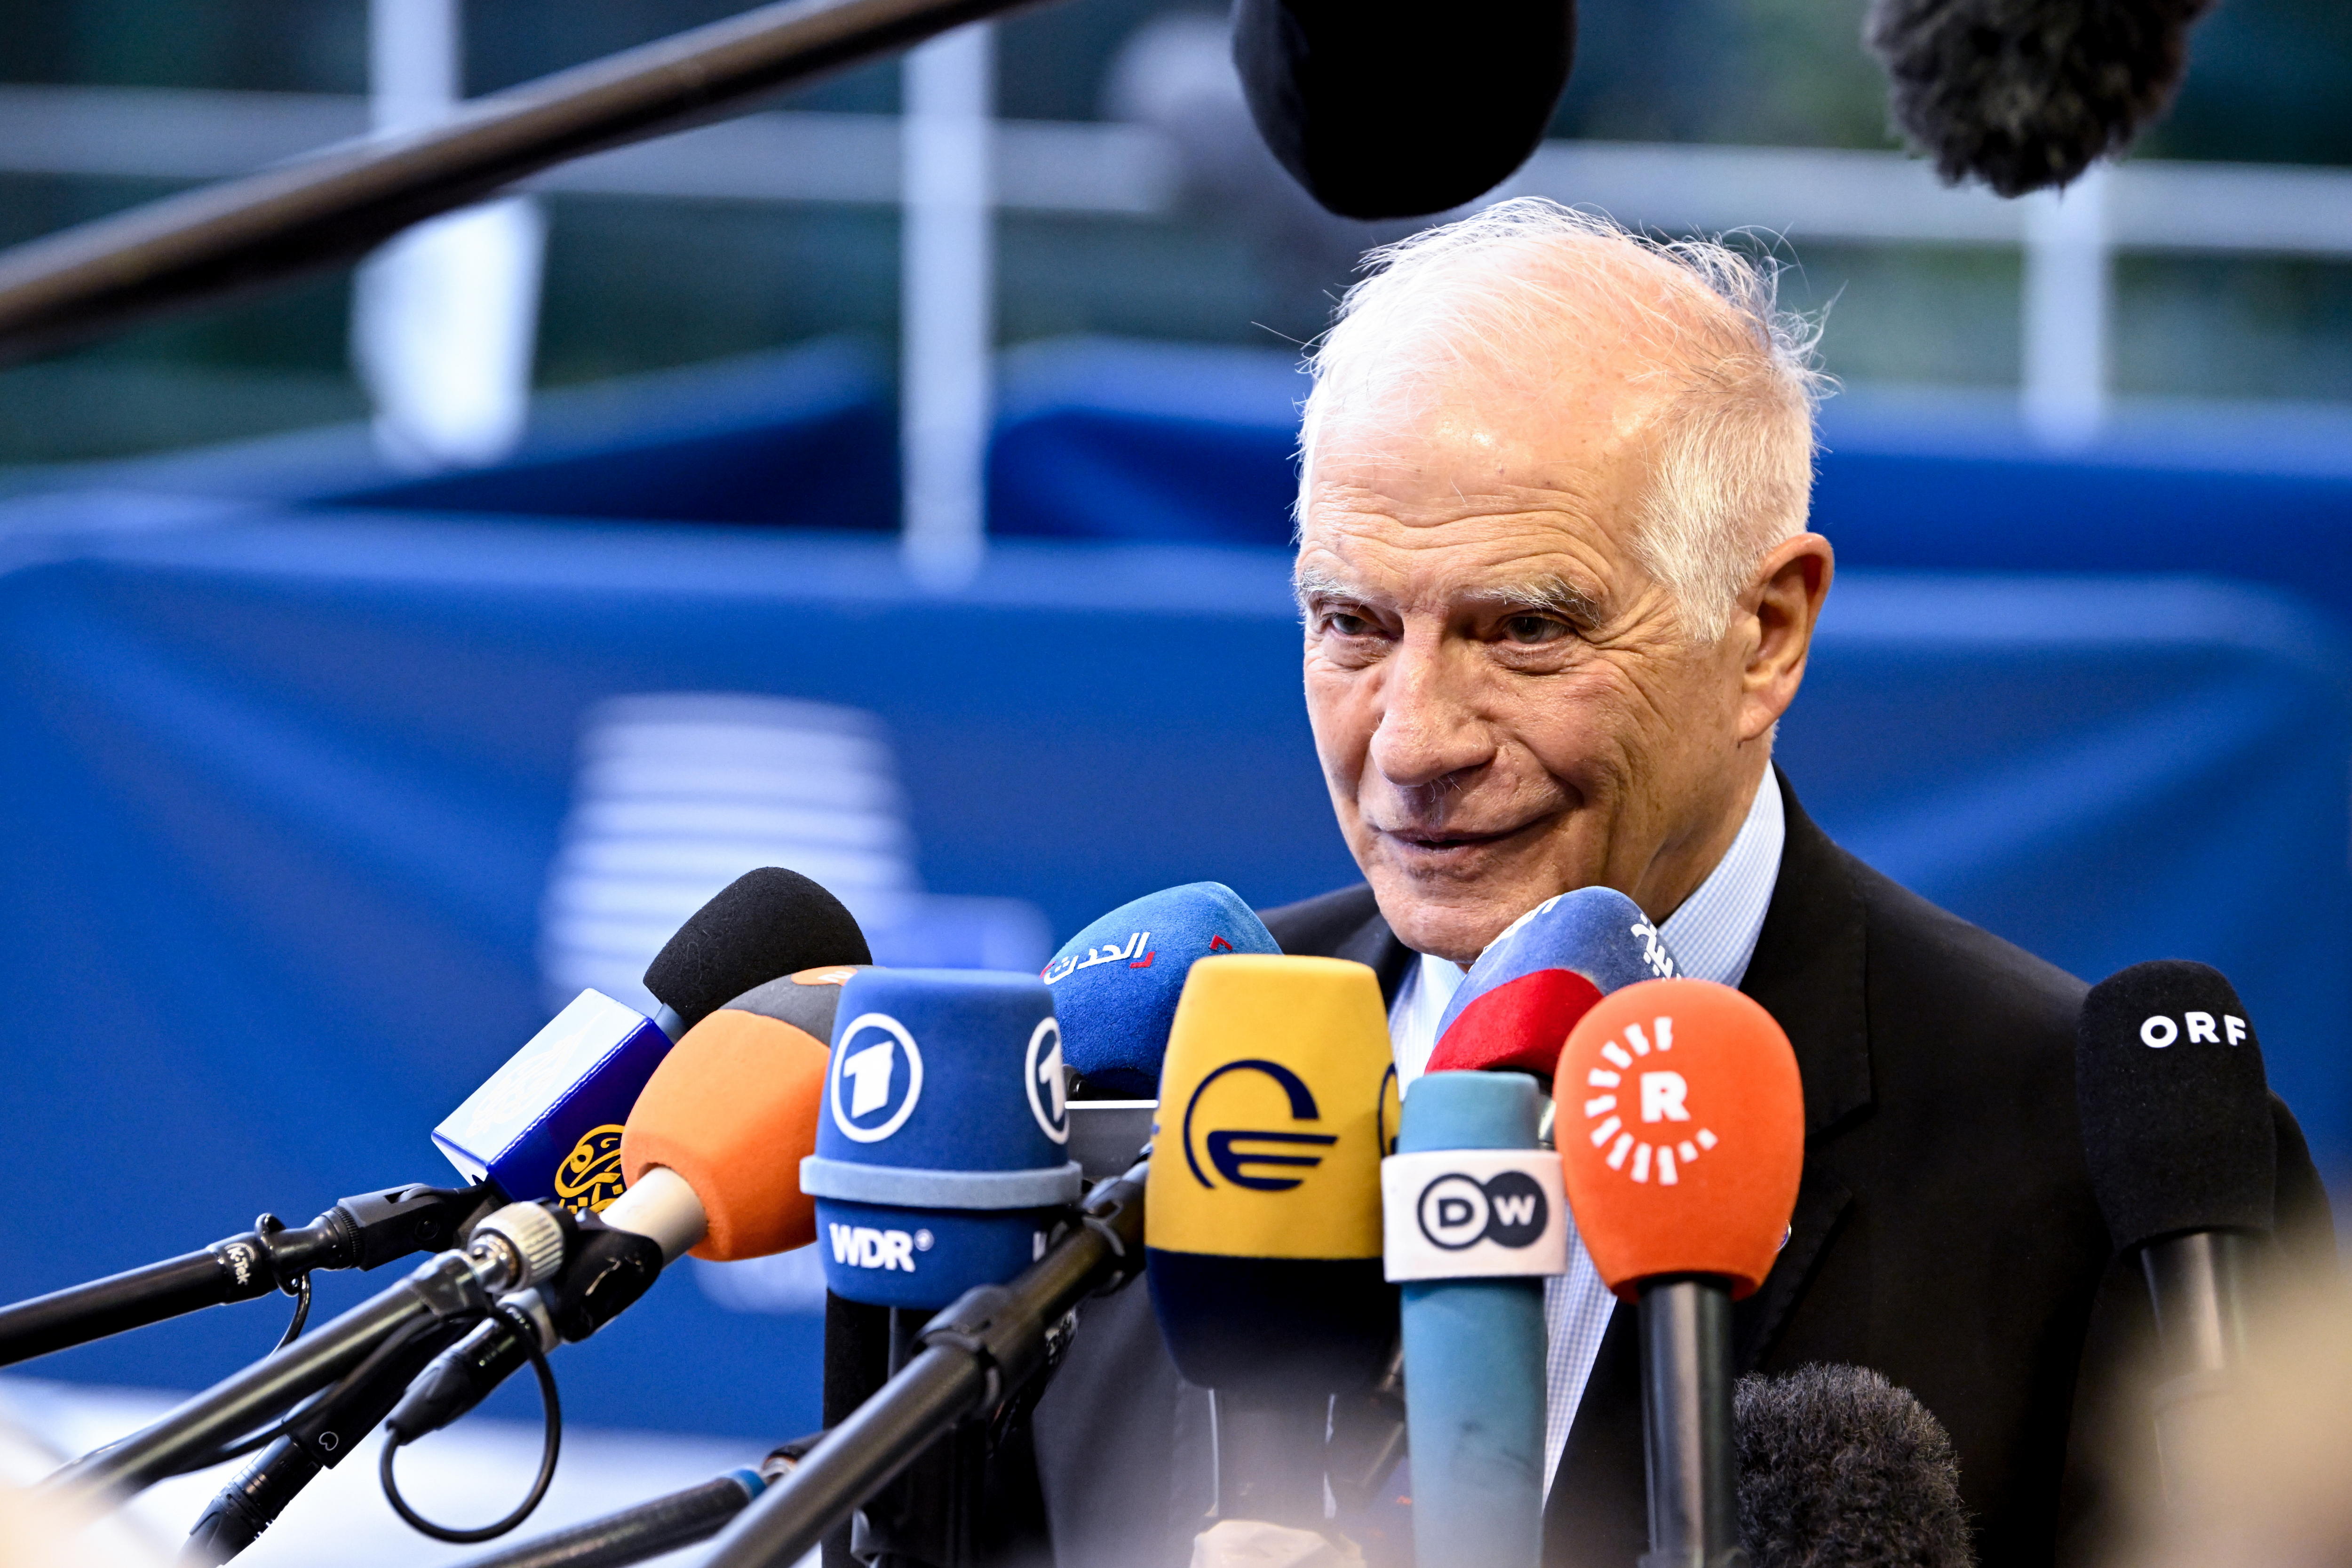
(1125, 171)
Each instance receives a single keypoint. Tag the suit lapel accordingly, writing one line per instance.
(1809, 973)
(1373, 943)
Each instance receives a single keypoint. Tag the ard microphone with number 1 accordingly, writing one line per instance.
(1681, 1127)
(1475, 1221)
(2182, 1154)
(1277, 1101)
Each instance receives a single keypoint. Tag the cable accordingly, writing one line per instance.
(301, 1314)
(547, 1456)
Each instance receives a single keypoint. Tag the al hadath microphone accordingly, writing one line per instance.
(1839, 1468)
(2183, 1154)
(1681, 1128)
(1125, 972)
(1475, 1220)
(1277, 1101)
(1533, 982)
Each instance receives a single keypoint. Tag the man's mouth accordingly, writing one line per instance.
(1446, 842)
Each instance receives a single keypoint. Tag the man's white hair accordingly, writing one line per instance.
(1506, 289)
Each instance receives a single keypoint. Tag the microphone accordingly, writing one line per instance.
(549, 1122)
(709, 1150)
(1839, 1468)
(2027, 95)
(1475, 1219)
(939, 1161)
(545, 1125)
(1123, 975)
(942, 1167)
(2182, 1154)
(1545, 972)
(1261, 1209)
(990, 1346)
(1681, 1131)
(1114, 988)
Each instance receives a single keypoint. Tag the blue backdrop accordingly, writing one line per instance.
(283, 788)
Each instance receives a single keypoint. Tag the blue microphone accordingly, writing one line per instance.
(1473, 1220)
(1545, 972)
(941, 1160)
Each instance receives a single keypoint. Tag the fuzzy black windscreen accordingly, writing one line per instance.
(762, 924)
(2022, 94)
(1839, 1468)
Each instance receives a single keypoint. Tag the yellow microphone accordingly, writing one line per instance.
(1262, 1212)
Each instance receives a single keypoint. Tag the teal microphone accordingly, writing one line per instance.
(1473, 1221)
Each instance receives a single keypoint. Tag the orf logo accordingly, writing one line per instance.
(1457, 1211)
(1253, 1158)
(1048, 1097)
(877, 1078)
(590, 1176)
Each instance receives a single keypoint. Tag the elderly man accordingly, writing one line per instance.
(1556, 590)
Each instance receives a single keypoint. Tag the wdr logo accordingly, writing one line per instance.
(875, 1078)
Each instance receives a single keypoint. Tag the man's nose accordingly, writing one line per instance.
(1430, 728)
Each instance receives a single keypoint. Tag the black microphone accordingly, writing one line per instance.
(2183, 1154)
(1383, 110)
(2023, 94)
(1839, 1468)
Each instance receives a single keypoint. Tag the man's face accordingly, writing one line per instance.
(1504, 702)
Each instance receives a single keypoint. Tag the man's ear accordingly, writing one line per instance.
(1784, 598)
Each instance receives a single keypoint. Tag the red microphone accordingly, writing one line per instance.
(1681, 1127)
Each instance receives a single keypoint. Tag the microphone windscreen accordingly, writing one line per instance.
(1681, 1134)
(1839, 1468)
(941, 1159)
(764, 923)
(2026, 94)
(1533, 982)
(2176, 1112)
(1116, 983)
(1262, 1210)
(547, 1124)
(733, 1109)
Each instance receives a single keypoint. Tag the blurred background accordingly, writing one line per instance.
(894, 484)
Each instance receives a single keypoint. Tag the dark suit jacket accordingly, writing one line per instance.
(1945, 1234)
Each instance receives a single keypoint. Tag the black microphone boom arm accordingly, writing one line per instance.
(360, 1232)
(333, 206)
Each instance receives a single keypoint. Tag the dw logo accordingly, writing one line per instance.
(1231, 1160)
(867, 1068)
(1457, 1211)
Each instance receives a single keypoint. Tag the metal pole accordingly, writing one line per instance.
(249, 235)
(2068, 269)
(947, 282)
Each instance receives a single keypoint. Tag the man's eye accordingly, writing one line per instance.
(1346, 624)
(1531, 629)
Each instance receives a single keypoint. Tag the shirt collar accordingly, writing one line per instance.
(1713, 935)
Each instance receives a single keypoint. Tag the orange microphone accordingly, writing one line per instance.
(1681, 1127)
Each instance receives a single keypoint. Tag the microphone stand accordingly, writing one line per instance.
(337, 205)
(1687, 1424)
(974, 1356)
(452, 1288)
(360, 1232)
(2197, 1284)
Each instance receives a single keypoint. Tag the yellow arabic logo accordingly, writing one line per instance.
(590, 1176)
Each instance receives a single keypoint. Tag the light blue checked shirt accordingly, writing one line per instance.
(1712, 937)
